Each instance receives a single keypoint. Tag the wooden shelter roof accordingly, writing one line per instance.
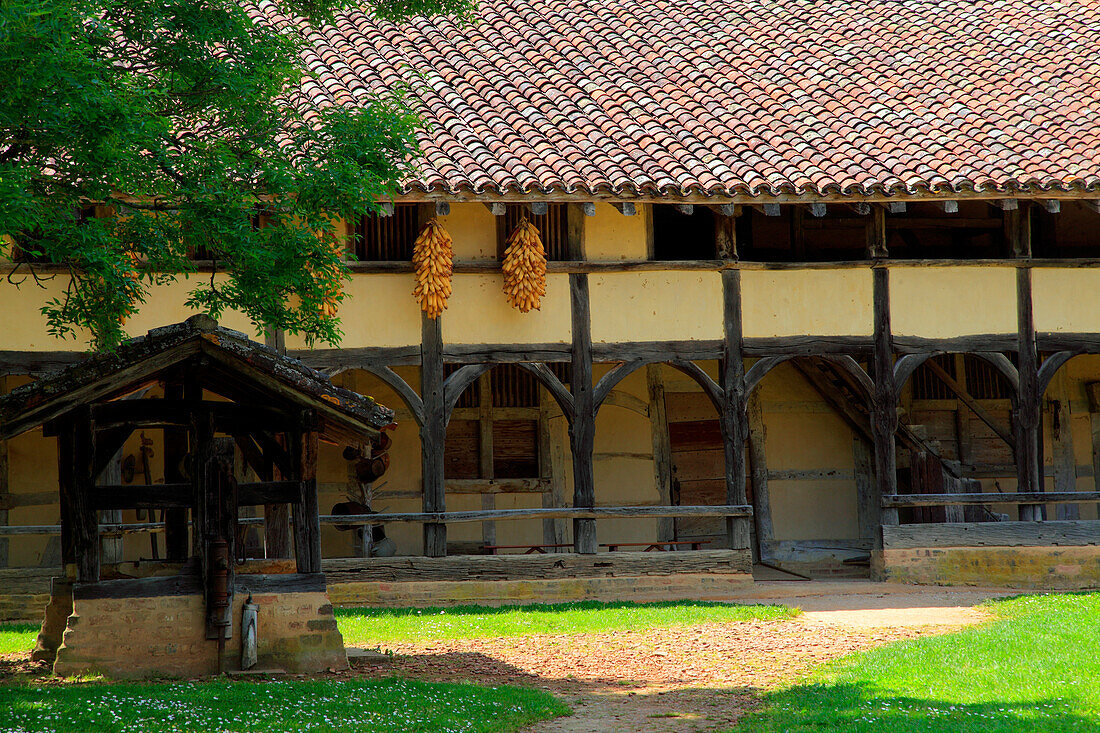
(240, 368)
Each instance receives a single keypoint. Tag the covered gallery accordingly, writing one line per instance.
(822, 288)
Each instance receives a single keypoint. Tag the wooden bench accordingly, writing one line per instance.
(656, 546)
(530, 549)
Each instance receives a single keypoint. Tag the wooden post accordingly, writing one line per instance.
(662, 449)
(582, 431)
(5, 486)
(1027, 407)
(734, 414)
(884, 424)
(864, 464)
(432, 433)
(175, 452)
(307, 521)
(85, 522)
(761, 495)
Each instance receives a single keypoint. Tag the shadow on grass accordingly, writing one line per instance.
(372, 612)
(858, 708)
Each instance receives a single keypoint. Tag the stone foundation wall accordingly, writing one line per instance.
(700, 587)
(1049, 568)
(24, 592)
(165, 635)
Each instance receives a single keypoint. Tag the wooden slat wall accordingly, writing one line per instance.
(553, 228)
(698, 460)
(387, 238)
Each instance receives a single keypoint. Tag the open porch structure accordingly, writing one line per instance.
(213, 393)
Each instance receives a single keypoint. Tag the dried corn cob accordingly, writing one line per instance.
(433, 259)
(524, 267)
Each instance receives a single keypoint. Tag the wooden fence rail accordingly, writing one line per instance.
(482, 515)
(1050, 497)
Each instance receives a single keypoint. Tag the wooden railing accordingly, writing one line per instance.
(1052, 497)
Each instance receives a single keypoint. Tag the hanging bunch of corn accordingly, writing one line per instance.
(433, 259)
(524, 267)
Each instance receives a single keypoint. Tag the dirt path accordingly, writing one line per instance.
(695, 678)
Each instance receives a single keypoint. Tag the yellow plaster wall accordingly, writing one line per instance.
(945, 302)
(25, 328)
(479, 313)
(806, 302)
(379, 311)
(608, 235)
(803, 433)
(655, 306)
(473, 229)
(1066, 299)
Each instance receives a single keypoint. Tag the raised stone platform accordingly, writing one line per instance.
(156, 626)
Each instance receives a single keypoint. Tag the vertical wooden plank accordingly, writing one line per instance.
(1061, 435)
(1026, 422)
(111, 547)
(662, 449)
(552, 467)
(963, 439)
(884, 403)
(725, 232)
(175, 452)
(575, 232)
(875, 232)
(432, 432)
(734, 414)
(307, 522)
(66, 489)
(354, 490)
(485, 451)
(582, 432)
(1094, 418)
(5, 485)
(85, 523)
(864, 465)
(761, 494)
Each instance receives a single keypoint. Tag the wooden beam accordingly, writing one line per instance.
(5, 485)
(876, 234)
(861, 207)
(1092, 204)
(85, 526)
(884, 422)
(583, 429)
(175, 452)
(1053, 206)
(385, 209)
(970, 402)
(485, 451)
(626, 208)
(818, 209)
(307, 526)
(1049, 497)
(131, 496)
(1017, 231)
(552, 468)
(496, 208)
(733, 416)
(588, 514)
(1006, 204)
(896, 207)
(761, 494)
(1061, 439)
(772, 210)
(867, 512)
(442, 208)
(950, 207)
(433, 433)
(992, 534)
(662, 449)
(1026, 417)
(685, 209)
(726, 209)
(538, 208)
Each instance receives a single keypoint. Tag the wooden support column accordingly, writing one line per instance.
(552, 466)
(761, 495)
(582, 431)
(734, 414)
(884, 424)
(1027, 407)
(307, 518)
(5, 485)
(175, 452)
(433, 433)
(85, 522)
(662, 449)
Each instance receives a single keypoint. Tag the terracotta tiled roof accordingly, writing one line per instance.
(700, 98)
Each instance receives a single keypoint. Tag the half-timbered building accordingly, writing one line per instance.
(822, 293)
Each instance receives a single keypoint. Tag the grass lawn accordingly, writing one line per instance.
(371, 626)
(1036, 668)
(361, 705)
(16, 638)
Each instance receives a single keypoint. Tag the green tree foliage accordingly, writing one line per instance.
(181, 121)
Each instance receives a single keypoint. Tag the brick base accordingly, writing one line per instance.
(699, 587)
(166, 636)
(1049, 568)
